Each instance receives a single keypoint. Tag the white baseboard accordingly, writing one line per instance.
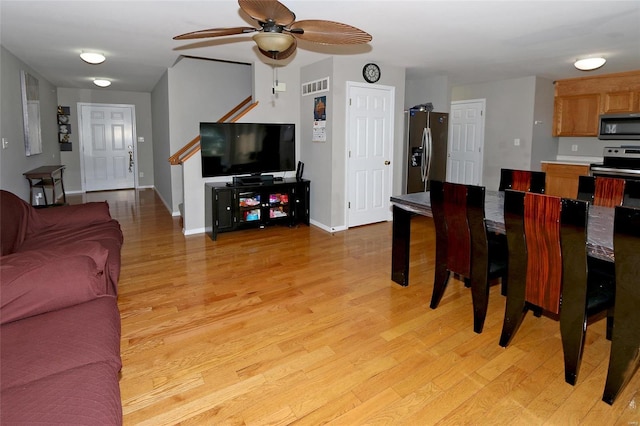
(327, 228)
(193, 231)
(165, 203)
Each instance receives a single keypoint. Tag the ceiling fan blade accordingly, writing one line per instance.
(265, 10)
(281, 55)
(215, 32)
(329, 32)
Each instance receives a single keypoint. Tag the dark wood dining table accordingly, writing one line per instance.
(600, 234)
(599, 231)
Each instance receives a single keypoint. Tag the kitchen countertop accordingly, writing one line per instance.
(578, 161)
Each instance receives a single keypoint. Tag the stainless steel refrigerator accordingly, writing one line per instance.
(426, 136)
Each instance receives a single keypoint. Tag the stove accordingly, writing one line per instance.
(619, 161)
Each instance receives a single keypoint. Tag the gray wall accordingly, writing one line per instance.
(511, 108)
(199, 91)
(143, 123)
(588, 147)
(434, 89)
(317, 156)
(544, 145)
(281, 107)
(325, 163)
(13, 161)
(161, 148)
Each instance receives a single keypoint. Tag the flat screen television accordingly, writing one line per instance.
(229, 149)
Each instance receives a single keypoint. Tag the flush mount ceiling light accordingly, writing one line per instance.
(92, 57)
(101, 82)
(589, 64)
(273, 42)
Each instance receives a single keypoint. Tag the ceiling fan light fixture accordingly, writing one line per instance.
(589, 64)
(93, 58)
(101, 82)
(273, 42)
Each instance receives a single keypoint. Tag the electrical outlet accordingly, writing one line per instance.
(5, 143)
(141, 174)
(574, 148)
(516, 142)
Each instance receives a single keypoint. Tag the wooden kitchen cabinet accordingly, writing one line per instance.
(577, 115)
(562, 178)
(580, 101)
(620, 102)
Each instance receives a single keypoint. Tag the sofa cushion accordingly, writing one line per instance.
(13, 222)
(108, 234)
(77, 216)
(86, 395)
(38, 281)
(51, 343)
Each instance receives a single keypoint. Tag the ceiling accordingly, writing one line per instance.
(469, 41)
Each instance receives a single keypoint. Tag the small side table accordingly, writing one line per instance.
(47, 177)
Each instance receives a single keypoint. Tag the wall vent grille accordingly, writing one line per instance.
(316, 86)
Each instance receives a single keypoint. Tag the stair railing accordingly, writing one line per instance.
(193, 146)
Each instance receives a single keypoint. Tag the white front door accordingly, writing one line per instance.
(466, 142)
(107, 139)
(370, 149)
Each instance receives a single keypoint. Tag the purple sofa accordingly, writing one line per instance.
(59, 318)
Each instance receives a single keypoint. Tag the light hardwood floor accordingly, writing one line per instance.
(296, 325)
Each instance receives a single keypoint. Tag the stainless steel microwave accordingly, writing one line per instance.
(619, 126)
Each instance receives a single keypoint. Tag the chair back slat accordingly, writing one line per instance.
(521, 180)
(623, 358)
(609, 192)
(544, 256)
(631, 193)
(458, 237)
(586, 188)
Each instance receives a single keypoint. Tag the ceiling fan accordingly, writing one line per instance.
(278, 33)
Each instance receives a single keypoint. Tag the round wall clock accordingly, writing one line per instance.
(371, 73)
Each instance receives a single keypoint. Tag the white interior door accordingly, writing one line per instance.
(370, 150)
(108, 148)
(466, 142)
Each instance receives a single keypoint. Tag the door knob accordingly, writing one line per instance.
(386, 163)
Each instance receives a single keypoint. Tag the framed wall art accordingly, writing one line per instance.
(31, 113)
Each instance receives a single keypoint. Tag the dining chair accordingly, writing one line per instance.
(601, 191)
(522, 180)
(532, 224)
(580, 301)
(463, 246)
(548, 269)
(453, 249)
(623, 358)
(631, 196)
(488, 256)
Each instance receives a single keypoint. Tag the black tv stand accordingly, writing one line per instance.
(233, 206)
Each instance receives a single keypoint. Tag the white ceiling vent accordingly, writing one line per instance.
(316, 86)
